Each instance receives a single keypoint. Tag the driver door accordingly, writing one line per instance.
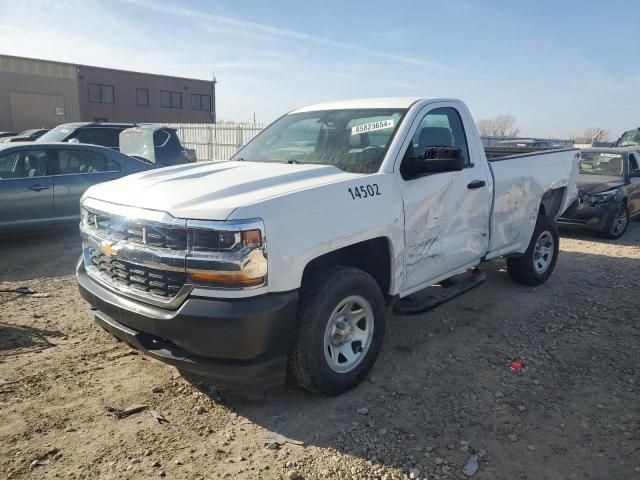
(26, 187)
(446, 213)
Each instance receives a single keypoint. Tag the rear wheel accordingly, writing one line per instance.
(618, 223)
(341, 322)
(535, 266)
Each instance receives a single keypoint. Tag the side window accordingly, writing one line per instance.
(87, 135)
(24, 164)
(160, 138)
(82, 161)
(111, 137)
(633, 162)
(112, 166)
(8, 165)
(441, 127)
(106, 137)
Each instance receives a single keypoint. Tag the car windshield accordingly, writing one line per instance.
(26, 133)
(601, 164)
(629, 139)
(352, 140)
(58, 134)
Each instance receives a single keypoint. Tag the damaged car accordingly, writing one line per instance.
(608, 192)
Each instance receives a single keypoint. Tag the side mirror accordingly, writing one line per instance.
(73, 140)
(438, 159)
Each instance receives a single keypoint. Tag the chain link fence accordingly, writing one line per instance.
(216, 141)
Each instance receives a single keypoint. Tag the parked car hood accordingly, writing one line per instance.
(599, 183)
(213, 190)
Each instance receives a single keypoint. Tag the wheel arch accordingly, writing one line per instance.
(373, 256)
(551, 202)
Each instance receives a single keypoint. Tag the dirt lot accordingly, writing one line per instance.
(442, 389)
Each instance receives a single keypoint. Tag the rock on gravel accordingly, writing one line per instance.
(471, 467)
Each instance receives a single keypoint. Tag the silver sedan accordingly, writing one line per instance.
(41, 183)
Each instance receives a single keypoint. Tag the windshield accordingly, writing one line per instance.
(26, 133)
(601, 164)
(352, 140)
(58, 134)
(629, 139)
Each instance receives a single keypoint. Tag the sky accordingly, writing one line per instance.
(559, 67)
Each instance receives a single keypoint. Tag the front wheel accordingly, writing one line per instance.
(341, 322)
(618, 223)
(535, 266)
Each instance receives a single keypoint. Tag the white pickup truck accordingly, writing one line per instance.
(290, 254)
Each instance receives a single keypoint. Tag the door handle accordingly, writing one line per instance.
(476, 184)
(37, 188)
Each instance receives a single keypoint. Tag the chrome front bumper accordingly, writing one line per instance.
(132, 246)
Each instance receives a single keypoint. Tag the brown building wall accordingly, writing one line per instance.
(125, 108)
(36, 93)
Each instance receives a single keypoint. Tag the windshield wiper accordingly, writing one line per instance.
(291, 161)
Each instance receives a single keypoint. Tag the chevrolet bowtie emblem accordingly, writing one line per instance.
(109, 249)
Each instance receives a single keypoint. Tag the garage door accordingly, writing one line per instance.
(34, 110)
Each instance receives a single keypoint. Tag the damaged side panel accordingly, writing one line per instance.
(519, 193)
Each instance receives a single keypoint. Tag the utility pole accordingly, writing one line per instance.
(213, 98)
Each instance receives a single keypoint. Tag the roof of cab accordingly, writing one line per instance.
(44, 145)
(96, 124)
(149, 127)
(382, 102)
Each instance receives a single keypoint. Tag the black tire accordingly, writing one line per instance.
(611, 231)
(321, 294)
(522, 269)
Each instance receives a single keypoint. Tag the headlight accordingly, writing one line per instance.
(596, 199)
(227, 254)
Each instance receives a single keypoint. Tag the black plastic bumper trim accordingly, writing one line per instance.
(240, 342)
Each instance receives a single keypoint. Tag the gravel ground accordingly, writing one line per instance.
(441, 396)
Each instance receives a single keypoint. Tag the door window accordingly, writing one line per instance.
(82, 161)
(160, 138)
(24, 164)
(441, 127)
(106, 137)
(633, 165)
(111, 137)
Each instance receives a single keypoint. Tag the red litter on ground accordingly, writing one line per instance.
(516, 365)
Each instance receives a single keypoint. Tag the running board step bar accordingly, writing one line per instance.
(413, 305)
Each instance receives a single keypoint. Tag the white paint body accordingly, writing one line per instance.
(434, 225)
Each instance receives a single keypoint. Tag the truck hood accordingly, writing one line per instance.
(213, 190)
(599, 183)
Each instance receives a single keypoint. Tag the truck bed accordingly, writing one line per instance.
(497, 152)
(518, 192)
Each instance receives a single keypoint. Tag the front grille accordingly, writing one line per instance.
(146, 233)
(161, 283)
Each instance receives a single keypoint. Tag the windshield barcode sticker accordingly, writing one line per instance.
(370, 127)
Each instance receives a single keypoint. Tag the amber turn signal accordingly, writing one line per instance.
(225, 279)
(251, 238)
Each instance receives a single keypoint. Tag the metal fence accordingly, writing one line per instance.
(216, 141)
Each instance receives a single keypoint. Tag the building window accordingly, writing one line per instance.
(170, 99)
(142, 97)
(201, 102)
(100, 93)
